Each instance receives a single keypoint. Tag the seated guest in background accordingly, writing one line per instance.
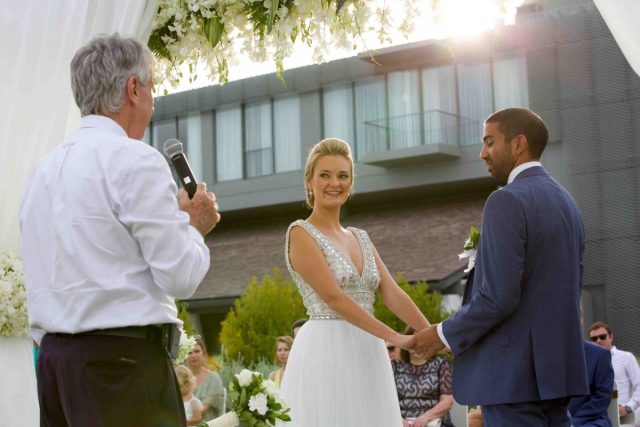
(625, 368)
(592, 410)
(394, 352)
(425, 390)
(192, 405)
(283, 347)
(209, 387)
(295, 327)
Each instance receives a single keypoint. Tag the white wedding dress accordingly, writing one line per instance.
(337, 374)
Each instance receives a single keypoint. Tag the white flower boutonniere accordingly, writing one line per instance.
(470, 248)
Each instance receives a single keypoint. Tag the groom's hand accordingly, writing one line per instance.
(427, 342)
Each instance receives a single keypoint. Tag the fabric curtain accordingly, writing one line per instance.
(337, 113)
(286, 132)
(229, 144)
(510, 87)
(440, 105)
(37, 41)
(404, 109)
(475, 91)
(622, 18)
(258, 149)
(371, 116)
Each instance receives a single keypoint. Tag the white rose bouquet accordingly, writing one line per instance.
(13, 305)
(187, 343)
(256, 401)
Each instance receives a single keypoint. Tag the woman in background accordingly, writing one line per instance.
(283, 347)
(209, 387)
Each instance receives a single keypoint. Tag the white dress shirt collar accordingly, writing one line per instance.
(516, 171)
(103, 123)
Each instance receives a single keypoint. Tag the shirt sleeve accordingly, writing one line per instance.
(176, 253)
(633, 372)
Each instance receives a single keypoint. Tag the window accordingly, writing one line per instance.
(510, 85)
(190, 134)
(337, 108)
(371, 116)
(475, 99)
(440, 106)
(258, 150)
(404, 109)
(163, 130)
(286, 131)
(229, 144)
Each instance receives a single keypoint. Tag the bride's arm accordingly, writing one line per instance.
(308, 260)
(397, 300)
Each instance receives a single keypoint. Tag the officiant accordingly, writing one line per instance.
(106, 250)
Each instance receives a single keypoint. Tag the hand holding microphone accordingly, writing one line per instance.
(194, 198)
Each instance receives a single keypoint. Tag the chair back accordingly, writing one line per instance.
(459, 415)
(612, 410)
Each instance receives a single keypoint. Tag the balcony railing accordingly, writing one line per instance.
(430, 135)
(413, 130)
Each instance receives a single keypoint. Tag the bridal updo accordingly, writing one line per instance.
(326, 147)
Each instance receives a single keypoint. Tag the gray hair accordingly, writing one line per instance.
(100, 70)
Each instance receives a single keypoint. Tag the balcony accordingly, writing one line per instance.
(430, 136)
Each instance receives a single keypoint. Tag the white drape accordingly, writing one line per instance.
(622, 18)
(37, 41)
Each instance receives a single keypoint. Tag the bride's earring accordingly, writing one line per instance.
(310, 193)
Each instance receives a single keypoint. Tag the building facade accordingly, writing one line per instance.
(413, 117)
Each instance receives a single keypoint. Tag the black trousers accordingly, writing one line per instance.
(106, 381)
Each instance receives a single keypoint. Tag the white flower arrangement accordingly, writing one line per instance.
(187, 343)
(14, 321)
(470, 248)
(217, 31)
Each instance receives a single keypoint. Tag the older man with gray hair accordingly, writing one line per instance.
(107, 249)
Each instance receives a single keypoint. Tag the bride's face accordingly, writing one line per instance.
(331, 181)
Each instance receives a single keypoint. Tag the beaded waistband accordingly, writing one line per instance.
(325, 317)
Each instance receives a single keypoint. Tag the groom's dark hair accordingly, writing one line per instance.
(522, 121)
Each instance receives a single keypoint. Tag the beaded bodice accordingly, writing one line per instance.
(360, 288)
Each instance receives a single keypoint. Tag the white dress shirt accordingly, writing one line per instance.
(104, 243)
(627, 373)
(512, 175)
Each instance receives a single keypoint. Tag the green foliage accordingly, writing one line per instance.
(185, 316)
(429, 302)
(264, 312)
(472, 239)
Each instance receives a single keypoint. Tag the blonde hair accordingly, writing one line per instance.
(186, 379)
(326, 147)
(285, 339)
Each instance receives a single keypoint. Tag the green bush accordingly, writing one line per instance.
(185, 316)
(429, 302)
(264, 312)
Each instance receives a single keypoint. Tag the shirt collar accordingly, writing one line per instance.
(102, 122)
(516, 171)
(614, 349)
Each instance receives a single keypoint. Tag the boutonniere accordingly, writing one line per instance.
(469, 249)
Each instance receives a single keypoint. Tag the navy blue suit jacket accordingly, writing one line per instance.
(519, 338)
(592, 410)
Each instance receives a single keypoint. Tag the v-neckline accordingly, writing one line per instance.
(348, 258)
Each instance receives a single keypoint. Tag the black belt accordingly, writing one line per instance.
(167, 335)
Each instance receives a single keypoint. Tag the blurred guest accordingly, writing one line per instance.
(591, 410)
(425, 390)
(625, 367)
(295, 327)
(394, 352)
(192, 405)
(209, 387)
(283, 347)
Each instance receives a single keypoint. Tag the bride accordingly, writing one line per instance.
(338, 372)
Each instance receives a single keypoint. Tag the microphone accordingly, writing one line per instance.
(174, 152)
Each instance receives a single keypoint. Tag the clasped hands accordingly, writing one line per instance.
(425, 343)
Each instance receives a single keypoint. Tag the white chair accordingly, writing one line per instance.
(628, 420)
(612, 410)
(224, 401)
(459, 415)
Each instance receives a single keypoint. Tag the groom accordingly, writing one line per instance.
(517, 343)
